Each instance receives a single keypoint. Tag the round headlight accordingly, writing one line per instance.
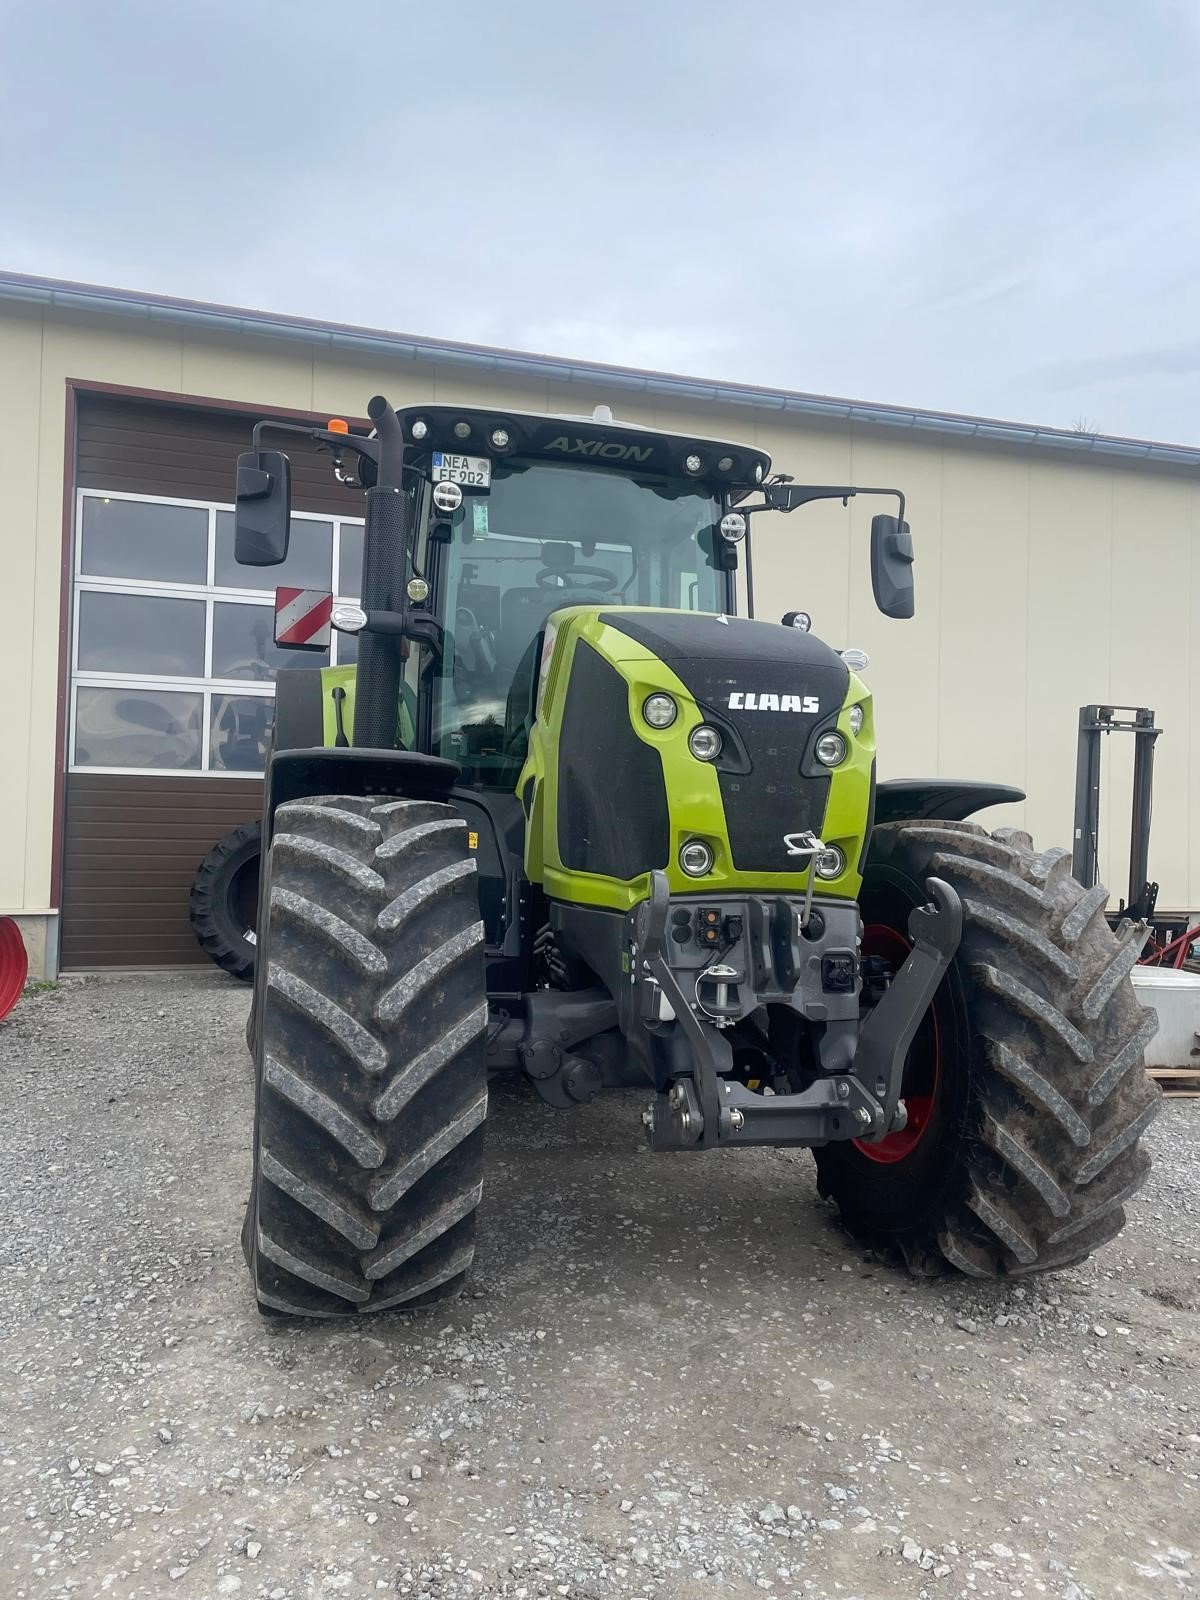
(419, 430)
(659, 710)
(462, 430)
(758, 472)
(725, 464)
(831, 863)
(705, 742)
(696, 858)
(499, 438)
(856, 720)
(797, 619)
(831, 749)
(417, 591)
(447, 496)
(348, 618)
(733, 527)
(694, 463)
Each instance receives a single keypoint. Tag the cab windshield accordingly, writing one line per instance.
(547, 536)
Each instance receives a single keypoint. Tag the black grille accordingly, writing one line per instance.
(612, 801)
(754, 662)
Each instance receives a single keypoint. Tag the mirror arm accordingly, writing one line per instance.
(368, 448)
(790, 496)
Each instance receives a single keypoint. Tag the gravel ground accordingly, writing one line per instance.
(671, 1376)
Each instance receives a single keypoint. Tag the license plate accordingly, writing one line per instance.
(472, 472)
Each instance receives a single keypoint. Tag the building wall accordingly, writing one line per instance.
(1043, 581)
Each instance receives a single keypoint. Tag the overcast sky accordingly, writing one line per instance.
(986, 206)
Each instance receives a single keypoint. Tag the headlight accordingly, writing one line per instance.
(733, 527)
(856, 720)
(694, 463)
(659, 710)
(705, 742)
(831, 749)
(831, 863)
(447, 496)
(419, 429)
(348, 618)
(462, 430)
(417, 590)
(499, 438)
(696, 858)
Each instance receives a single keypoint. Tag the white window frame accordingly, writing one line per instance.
(209, 593)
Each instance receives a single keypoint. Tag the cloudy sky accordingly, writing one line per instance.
(986, 205)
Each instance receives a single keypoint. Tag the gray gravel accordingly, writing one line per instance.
(672, 1376)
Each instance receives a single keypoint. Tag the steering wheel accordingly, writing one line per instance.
(605, 580)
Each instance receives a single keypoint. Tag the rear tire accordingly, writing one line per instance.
(224, 900)
(370, 1012)
(1038, 1097)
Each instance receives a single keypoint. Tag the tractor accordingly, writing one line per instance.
(570, 816)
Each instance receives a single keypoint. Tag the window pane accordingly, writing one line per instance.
(241, 726)
(137, 728)
(131, 539)
(347, 649)
(244, 644)
(350, 562)
(141, 633)
(309, 564)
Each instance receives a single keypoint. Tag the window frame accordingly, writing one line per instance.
(207, 686)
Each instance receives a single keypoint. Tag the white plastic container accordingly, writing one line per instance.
(1175, 996)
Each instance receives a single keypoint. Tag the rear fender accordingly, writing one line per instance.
(947, 799)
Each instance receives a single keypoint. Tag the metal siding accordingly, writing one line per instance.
(132, 848)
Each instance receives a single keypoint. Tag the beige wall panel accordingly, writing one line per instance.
(802, 560)
(265, 372)
(1069, 638)
(1150, 624)
(581, 399)
(982, 620)
(342, 387)
(20, 423)
(459, 386)
(905, 656)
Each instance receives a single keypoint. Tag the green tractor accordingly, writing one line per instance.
(570, 816)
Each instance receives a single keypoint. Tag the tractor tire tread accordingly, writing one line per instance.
(369, 1024)
(1048, 1153)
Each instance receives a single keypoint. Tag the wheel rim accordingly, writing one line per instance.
(922, 1066)
(243, 896)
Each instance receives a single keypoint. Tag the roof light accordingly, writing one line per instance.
(694, 463)
(725, 464)
(462, 430)
(499, 438)
(419, 429)
(337, 425)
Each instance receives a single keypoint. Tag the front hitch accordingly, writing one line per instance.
(862, 1103)
(884, 1038)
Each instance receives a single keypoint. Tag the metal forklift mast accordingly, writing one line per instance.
(1094, 722)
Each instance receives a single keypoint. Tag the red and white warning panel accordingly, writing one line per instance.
(302, 618)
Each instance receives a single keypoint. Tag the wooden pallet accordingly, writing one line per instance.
(1177, 1083)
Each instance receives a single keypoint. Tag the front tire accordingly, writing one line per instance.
(1028, 1073)
(370, 1014)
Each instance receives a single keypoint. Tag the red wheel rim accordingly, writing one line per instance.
(14, 965)
(922, 1069)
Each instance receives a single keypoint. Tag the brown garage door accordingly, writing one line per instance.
(132, 848)
(172, 665)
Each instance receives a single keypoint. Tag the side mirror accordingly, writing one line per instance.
(891, 566)
(263, 519)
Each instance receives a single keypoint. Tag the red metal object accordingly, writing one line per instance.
(302, 617)
(922, 1070)
(14, 965)
(1173, 954)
